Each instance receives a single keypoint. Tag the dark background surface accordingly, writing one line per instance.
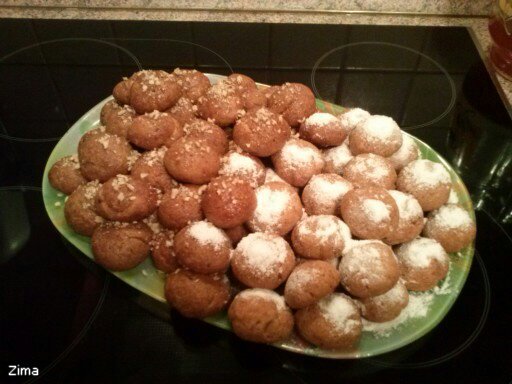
(74, 322)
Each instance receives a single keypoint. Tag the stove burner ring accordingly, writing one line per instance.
(47, 42)
(453, 89)
(472, 337)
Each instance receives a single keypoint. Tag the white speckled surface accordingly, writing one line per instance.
(305, 11)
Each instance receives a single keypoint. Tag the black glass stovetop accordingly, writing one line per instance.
(77, 324)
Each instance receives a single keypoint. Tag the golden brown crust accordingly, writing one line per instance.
(154, 90)
(121, 247)
(370, 169)
(195, 295)
(193, 83)
(309, 282)
(260, 319)
(162, 252)
(181, 206)
(294, 101)
(65, 175)
(116, 118)
(152, 130)
(79, 209)
(150, 169)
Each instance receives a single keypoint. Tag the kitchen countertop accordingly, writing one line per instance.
(436, 13)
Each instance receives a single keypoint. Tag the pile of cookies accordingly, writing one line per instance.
(252, 201)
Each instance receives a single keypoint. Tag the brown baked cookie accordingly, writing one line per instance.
(121, 246)
(124, 198)
(336, 158)
(243, 165)
(236, 234)
(310, 281)
(196, 295)
(278, 209)
(370, 212)
(192, 160)
(79, 209)
(116, 118)
(221, 104)
(293, 101)
(102, 155)
(203, 248)
(427, 181)
(150, 168)
(387, 306)
(261, 316)
(193, 83)
(318, 237)
(262, 260)
(228, 201)
(213, 134)
(332, 323)
(410, 219)
(423, 263)
(154, 129)
(184, 111)
(154, 90)
(369, 268)
(65, 174)
(370, 169)
(261, 132)
(376, 134)
(181, 206)
(452, 226)
(323, 130)
(323, 193)
(298, 161)
(352, 117)
(407, 152)
(162, 252)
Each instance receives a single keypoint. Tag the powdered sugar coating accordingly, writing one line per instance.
(451, 216)
(320, 119)
(376, 210)
(353, 117)
(323, 193)
(426, 173)
(339, 310)
(265, 294)
(408, 206)
(407, 152)
(295, 155)
(336, 158)
(420, 252)
(370, 169)
(206, 233)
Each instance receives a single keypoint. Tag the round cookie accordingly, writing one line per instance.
(427, 181)
(193, 83)
(196, 296)
(153, 90)
(221, 104)
(213, 134)
(192, 160)
(261, 316)
(387, 306)
(184, 111)
(278, 208)
(293, 101)
(369, 268)
(423, 263)
(407, 152)
(298, 161)
(154, 129)
(124, 198)
(323, 193)
(116, 118)
(162, 252)
(202, 248)
(370, 212)
(309, 282)
(332, 323)
(121, 246)
(243, 165)
(261, 132)
(150, 168)
(102, 155)
(228, 201)
(122, 90)
(370, 169)
(323, 129)
(352, 117)
(410, 219)
(452, 226)
(79, 209)
(376, 134)
(336, 158)
(65, 174)
(181, 206)
(262, 260)
(318, 237)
